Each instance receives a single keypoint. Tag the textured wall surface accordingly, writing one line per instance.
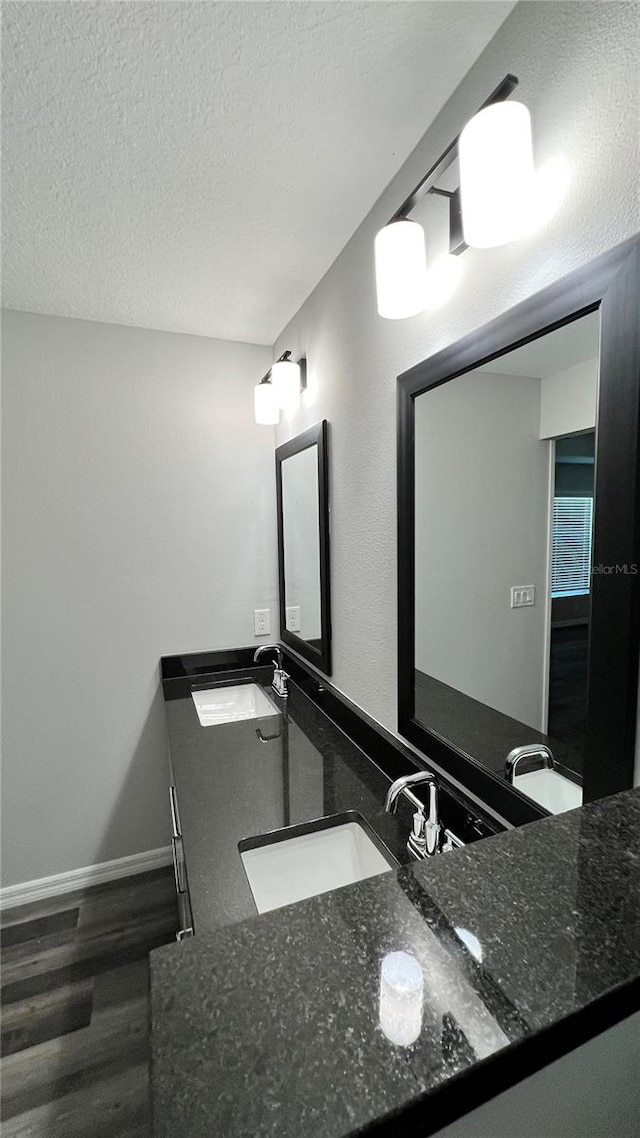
(138, 520)
(577, 66)
(197, 167)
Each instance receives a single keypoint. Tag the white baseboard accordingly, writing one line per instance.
(75, 879)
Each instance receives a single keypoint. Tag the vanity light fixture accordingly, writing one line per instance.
(500, 197)
(279, 390)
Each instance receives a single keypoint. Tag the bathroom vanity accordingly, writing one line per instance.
(522, 943)
(329, 983)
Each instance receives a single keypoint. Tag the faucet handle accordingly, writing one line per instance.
(279, 684)
(417, 841)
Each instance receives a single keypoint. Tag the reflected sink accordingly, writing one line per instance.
(302, 861)
(232, 703)
(550, 789)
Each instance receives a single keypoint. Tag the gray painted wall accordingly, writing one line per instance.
(139, 520)
(577, 66)
(569, 400)
(482, 527)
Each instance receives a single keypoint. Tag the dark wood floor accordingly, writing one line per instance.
(75, 1009)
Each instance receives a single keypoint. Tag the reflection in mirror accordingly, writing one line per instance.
(303, 545)
(504, 511)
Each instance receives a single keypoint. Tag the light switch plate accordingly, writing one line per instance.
(293, 618)
(523, 596)
(261, 622)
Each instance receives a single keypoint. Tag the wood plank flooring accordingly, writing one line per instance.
(75, 1009)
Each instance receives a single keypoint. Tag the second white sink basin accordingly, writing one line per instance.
(550, 789)
(283, 869)
(232, 703)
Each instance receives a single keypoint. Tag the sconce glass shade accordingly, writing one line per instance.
(496, 175)
(286, 380)
(401, 269)
(267, 412)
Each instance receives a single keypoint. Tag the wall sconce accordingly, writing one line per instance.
(279, 389)
(500, 198)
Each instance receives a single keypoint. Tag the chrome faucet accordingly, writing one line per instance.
(528, 751)
(425, 837)
(280, 677)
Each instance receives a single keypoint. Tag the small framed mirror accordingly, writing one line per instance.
(302, 488)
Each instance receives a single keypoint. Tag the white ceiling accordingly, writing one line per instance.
(557, 351)
(197, 166)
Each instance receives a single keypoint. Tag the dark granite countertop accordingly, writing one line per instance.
(528, 942)
(479, 730)
(240, 780)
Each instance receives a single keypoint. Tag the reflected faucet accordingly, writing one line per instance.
(527, 752)
(280, 677)
(424, 840)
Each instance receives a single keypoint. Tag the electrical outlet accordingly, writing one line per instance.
(293, 618)
(261, 622)
(523, 596)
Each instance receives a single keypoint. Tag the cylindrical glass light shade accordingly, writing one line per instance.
(401, 269)
(285, 378)
(266, 405)
(496, 175)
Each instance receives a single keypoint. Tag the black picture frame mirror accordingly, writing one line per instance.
(302, 493)
(610, 286)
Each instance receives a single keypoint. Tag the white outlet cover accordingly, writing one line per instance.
(293, 618)
(261, 622)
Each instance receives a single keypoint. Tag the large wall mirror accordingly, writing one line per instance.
(518, 547)
(303, 545)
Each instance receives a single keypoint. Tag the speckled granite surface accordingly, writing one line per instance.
(240, 780)
(272, 1026)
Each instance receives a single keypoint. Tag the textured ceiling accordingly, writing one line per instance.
(197, 167)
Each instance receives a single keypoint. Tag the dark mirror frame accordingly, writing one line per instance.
(318, 653)
(610, 284)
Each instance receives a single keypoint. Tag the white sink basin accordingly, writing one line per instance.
(550, 789)
(285, 870)
(229, 704)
